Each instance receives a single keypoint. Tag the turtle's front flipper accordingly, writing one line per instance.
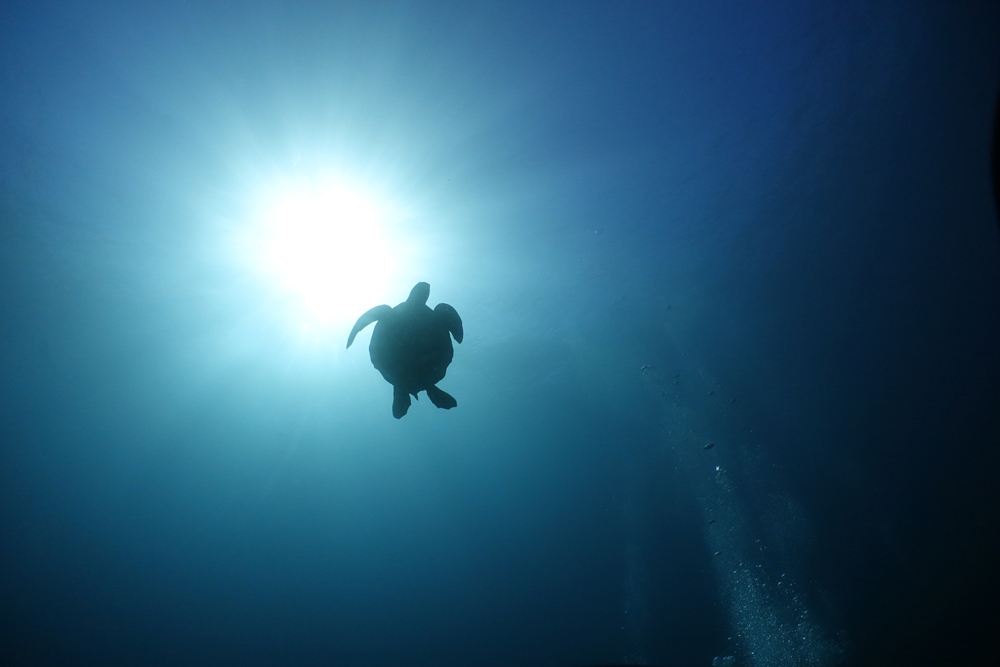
(441, 398)
(373, 315)
(400, 401)
(451, 320)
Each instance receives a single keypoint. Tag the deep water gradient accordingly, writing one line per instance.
(768, 227)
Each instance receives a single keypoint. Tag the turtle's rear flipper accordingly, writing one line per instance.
(441, 398)
(400, 402)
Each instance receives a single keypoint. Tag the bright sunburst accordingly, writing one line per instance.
(326, 248)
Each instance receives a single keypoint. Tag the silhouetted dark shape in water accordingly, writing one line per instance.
(411, 347)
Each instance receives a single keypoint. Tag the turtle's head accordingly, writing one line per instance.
(418, 295)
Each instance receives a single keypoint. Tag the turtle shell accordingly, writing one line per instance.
(412, 347)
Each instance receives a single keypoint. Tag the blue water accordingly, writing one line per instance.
(767, 228)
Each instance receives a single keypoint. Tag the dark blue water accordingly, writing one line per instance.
(767, 228)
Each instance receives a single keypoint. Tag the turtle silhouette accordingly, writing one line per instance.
(411, 347)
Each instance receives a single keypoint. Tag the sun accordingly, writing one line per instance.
(326, 249)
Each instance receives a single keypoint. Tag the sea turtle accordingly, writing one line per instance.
(411, 347)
